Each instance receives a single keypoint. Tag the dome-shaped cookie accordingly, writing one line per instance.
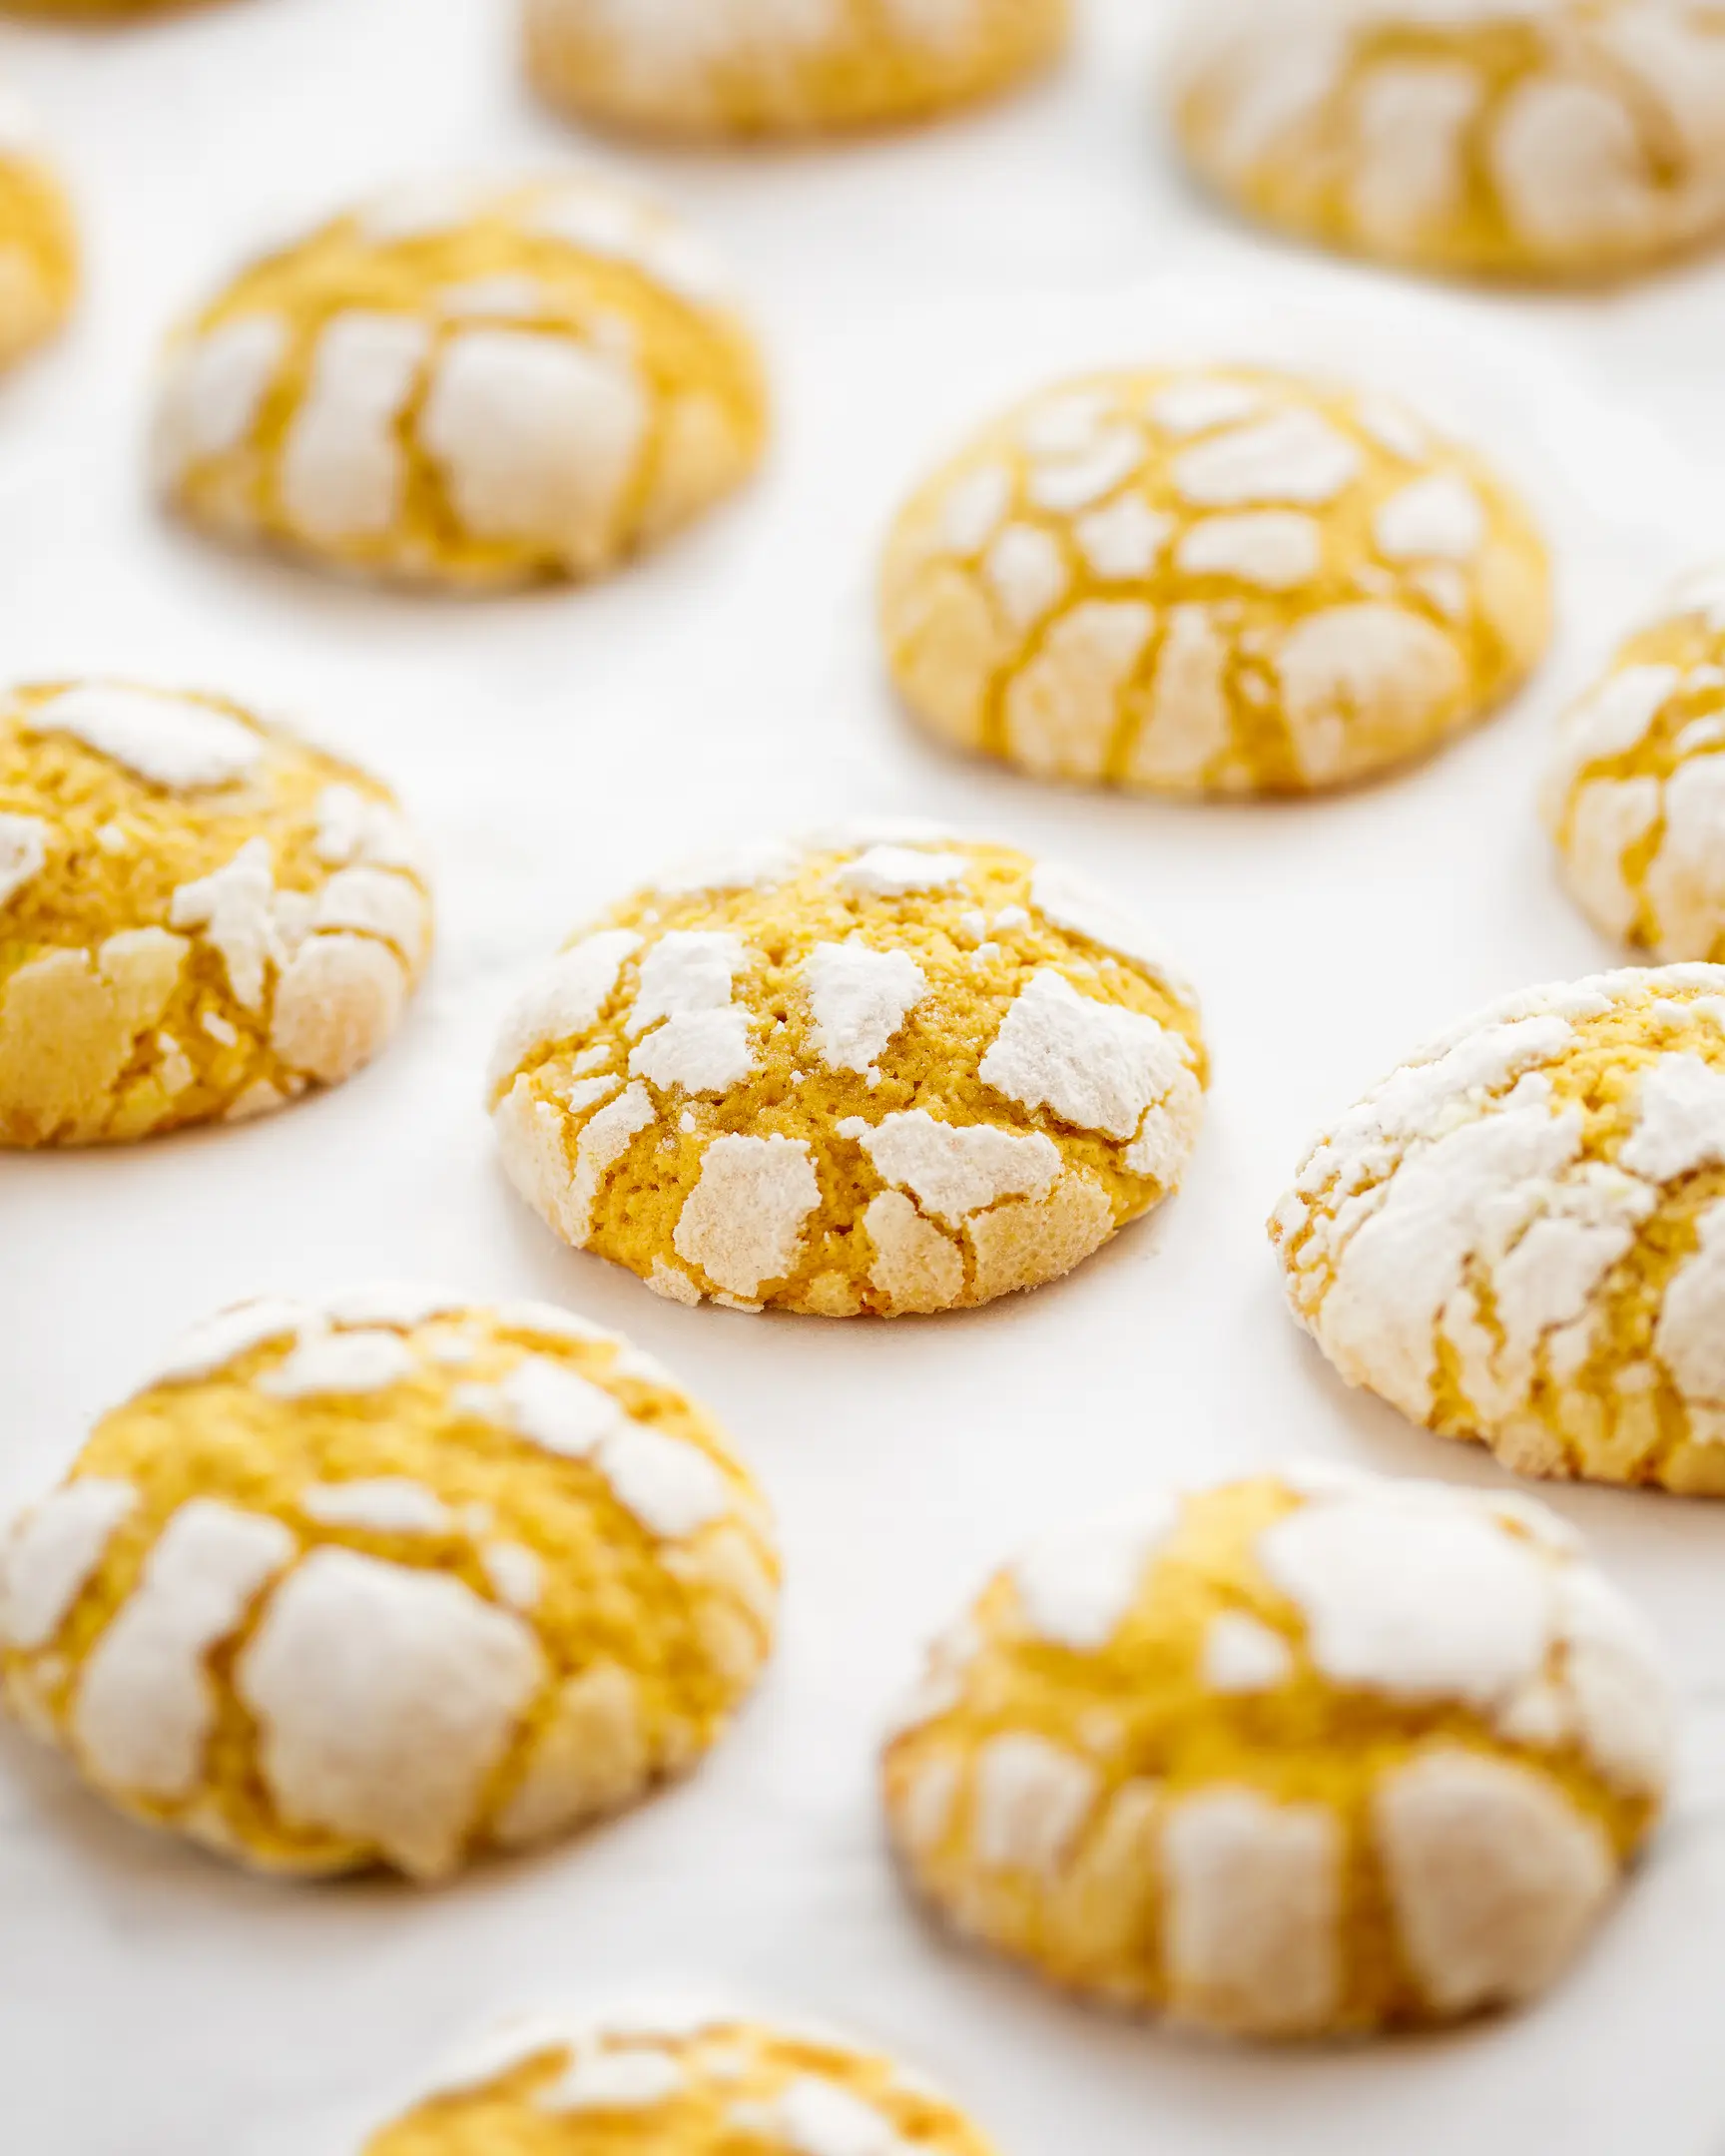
(1635, 797)
(1302, 1754)
(1520, 1236)
(1567, 139)
(38, 245)
(760, 67)
(466, 386)
(201, 914)
(866, 1074)
(386, 1580)
(1222, 580)
(680, 2081)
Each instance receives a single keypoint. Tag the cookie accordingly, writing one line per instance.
(1310, 1754)
(468, 386)
(1635, 797)
(758, 66)
(201, 914)
(386, 1580)
(1520, 1236)
(1522, 138)
(1221, 580)
(38, 241)
(676, 2081)
(880, 1072)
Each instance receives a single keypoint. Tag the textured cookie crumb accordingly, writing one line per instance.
(1215, 580)
(1516, 1237)
(387, 1579)
(785, 1081)
(1568, 139)
(782, 67)
(466, 386)
(1298, 1756)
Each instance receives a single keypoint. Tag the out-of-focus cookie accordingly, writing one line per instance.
(1572, 139)
(676, 2081)
(759, 67)
(1310, 1754)
(201, 914)
(466, 386)
(877, 1072)
(38, 241)
(1221, 580)
(1519, 1237)
(1635, 797)
(389, 1579)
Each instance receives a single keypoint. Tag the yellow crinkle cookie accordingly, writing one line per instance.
(38, 245)
(777, 67)
(1510, 138)
(677, 2081)
(388, 1579)
(201, 914)
(1221, 580)
(466, 386)
(1636, 795)
(1308, 1754)
(877, 1073)
(1520, 1236)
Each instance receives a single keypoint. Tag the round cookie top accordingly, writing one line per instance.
(387, 1579)
(762, 67)
(201, 914)
(1635, 797)
(886, 1071)
(1520, 1236)
(1309, 1753)
(38, 243)
(677, 2081)
(1219, 580)
(466, 386)
(1513, 138)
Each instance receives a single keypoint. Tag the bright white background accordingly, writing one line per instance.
(560, 747)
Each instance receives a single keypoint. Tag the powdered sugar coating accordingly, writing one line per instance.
(1195, 1759)
(778, 1025)
(321, 1623)
(1197, 581)
(1495, 1237)
(466, 384)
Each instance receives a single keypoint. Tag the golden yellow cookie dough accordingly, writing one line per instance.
(38, 241)
(1221, 580)
(201, 914)
(1519, 1237)
(387, 1579)
(1310, 1754)
(1636, 797)
(885, 1071)
(782, 67)
(1526, 139)
(675, 2081)
(466, 386)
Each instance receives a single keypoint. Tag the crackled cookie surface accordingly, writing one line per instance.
(38, 245)
(768, 67)
(1209, 581)
(1520, 1236)
(875, 1074)
(676, 2082)
(388, 1579)
(1311, 1753)
(1517, 138)
(200, 915)
(466, 386)
(1636, 795)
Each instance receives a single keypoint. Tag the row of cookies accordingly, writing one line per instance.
(390, 1577)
